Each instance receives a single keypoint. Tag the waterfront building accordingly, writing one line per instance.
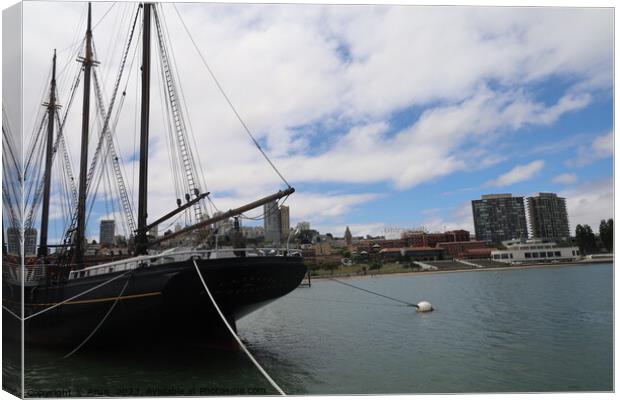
(272, 222)
(468, 249)
(548, 216)
(534, 250)
(412, 253)
(106, 232)
(499, 217)
(285, 222)
(424, 239)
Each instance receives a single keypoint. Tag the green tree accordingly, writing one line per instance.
(306, 236)
(606, 233)
(586, 239)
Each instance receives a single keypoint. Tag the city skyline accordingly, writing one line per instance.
(399, 128)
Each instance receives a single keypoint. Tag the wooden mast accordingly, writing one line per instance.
(141, 240)
(87, 63)
(51, 110)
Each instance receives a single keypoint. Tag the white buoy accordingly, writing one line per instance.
(425, 306)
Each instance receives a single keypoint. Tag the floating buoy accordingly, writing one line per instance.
(425, 306)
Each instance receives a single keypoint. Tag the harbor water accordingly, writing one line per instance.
(512, 330)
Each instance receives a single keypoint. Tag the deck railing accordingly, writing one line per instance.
(36, 274)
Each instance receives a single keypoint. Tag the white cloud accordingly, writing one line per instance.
(291, 66)
(589, 203)
(566, 179)
(519, 173)
(600, 148)
(459, 217)
(360, 229)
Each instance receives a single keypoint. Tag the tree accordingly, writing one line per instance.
(606, 233)
(585, 238)
(306, 236)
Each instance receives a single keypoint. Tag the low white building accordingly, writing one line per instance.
(534, 250)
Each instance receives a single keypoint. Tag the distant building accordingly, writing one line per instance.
(222, 225)
(303, 226)
(423, 239)
(272, 222)
(106, 232)
(548, 216)
(285, 222)
(534, 250)
(469, 249)
(154, 231)
(412, 253)
(499, 217)
(348, 238)
(252, 232)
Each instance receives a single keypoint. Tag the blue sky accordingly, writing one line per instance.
(379, 116)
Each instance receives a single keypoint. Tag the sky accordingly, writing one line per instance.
(382, 117)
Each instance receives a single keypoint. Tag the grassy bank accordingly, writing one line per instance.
(358, 269)
(396, 268)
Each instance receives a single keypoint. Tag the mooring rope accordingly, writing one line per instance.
(232, 331)
(100, 322)
(375, 293)
(77, 295)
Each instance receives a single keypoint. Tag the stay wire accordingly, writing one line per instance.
(217, 83)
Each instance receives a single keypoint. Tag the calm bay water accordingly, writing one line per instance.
(531, 330)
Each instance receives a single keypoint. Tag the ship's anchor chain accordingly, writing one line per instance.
(232, 332)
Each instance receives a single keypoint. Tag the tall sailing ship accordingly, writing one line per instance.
(151, 290)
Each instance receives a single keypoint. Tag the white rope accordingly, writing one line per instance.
(78, 295)
(100, 322)
(265, 374)
(11, 312)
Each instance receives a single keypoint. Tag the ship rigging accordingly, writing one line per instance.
(156, 285)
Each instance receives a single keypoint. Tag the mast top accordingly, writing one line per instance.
(88, 26)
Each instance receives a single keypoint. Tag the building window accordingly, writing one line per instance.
(496, 256)
(543, 255)
(528, 255)
(549, 254)
(510, 255)
(558, 254)
(534, 255)
(504, 256)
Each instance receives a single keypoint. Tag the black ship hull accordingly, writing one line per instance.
(159, 302)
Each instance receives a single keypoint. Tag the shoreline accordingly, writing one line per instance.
(508, 267)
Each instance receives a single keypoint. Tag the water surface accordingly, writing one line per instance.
(517, 330)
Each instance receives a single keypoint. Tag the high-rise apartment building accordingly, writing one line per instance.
(30, 242)
(548, 216)
(272, 222)
(499, 217)
(106, 231)
(285, 222)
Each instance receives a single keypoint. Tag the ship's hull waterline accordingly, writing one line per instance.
(160, 302)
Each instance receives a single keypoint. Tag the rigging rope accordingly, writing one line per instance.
(11, 312)
(105, 317)
(217, 83)
(77, 295)
(375, 293)
(232, 331)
